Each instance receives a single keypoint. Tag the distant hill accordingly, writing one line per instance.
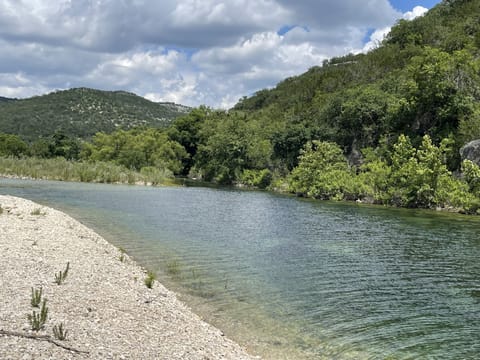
(5, 99)
(82, 112)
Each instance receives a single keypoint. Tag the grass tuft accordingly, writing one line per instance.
(62, 275)
(150, 279)
(122, 254)
(36, 297)
(59, 332)
(37, 320)
(37, 211)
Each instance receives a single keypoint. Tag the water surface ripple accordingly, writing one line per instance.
(292, 278)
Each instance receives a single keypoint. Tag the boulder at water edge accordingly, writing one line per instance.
(471, 151)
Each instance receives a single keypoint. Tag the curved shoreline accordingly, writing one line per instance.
(103, 303)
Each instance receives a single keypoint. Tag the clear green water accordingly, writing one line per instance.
(291, 278)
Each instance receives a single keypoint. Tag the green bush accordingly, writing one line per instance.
(257, 178)
(322, 173)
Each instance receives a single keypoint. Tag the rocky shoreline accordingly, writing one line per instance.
(103, 303)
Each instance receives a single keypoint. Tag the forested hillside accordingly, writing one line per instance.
(423, 79)
(82, 112)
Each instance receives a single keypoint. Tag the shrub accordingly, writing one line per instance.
(322, 172)
(257, 178)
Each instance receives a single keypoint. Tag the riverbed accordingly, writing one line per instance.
(293, 278)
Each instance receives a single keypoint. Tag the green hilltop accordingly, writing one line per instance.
(82, 112)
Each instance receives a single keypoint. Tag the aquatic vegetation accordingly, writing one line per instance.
(173, 267)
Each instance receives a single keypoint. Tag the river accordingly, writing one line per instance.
(292, 278)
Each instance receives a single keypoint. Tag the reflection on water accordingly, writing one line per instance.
(292, 278)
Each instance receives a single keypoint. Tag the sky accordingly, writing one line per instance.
(192, 52)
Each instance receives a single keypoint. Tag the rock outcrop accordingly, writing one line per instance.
(471, 151)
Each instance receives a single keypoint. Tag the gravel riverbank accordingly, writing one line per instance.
(104, 304)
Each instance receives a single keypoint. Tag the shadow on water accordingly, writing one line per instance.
(293, 278)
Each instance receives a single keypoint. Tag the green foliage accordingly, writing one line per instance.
(37, 320)
(416, 173)
(150, 279)
(374, 176)
(256, 178)
(56, 145)
(82, 112)
(364, 115)
(36, 297)
(471, 173)
(322, 172)
(185, 130)
(406, 176)
(444, 89)
(59, 332)
(12, 145)
(61, 169)
(136, 149)
(62, 275)
(230, 143)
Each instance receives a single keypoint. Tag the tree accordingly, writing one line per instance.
(185, 130)
(416, 174)
(137, 148)
(322, 172)
(12, 145)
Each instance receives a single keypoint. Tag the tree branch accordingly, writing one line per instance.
(41, 338)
